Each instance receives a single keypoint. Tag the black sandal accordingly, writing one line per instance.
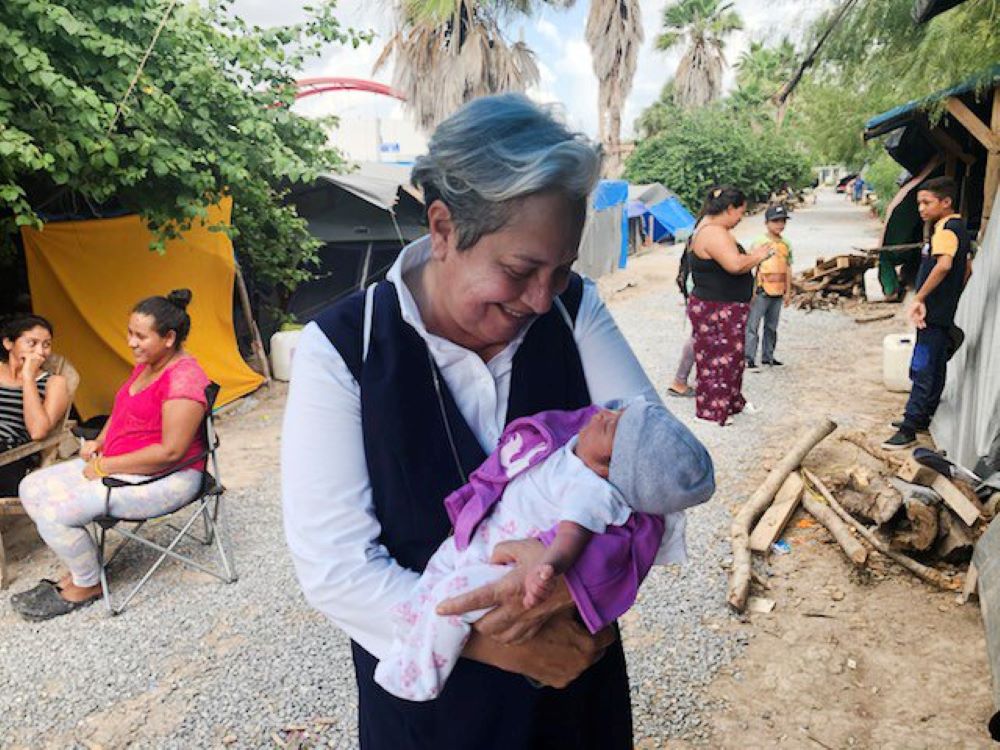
(30, 594)
(47, 603)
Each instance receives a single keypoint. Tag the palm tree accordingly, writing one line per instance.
(450, 51)
(614, 33)
(703, 26)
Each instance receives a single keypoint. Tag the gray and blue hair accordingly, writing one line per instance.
(497, 150)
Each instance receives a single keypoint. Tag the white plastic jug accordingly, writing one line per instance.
(873, 287)
(897, 351)
(282, 350)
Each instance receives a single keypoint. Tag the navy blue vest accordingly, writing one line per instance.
(412, 469)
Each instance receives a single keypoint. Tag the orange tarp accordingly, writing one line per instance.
(85, 277)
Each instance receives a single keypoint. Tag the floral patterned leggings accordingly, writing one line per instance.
(719, 342)
(61, 502)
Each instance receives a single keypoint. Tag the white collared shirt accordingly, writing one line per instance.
(329, 515)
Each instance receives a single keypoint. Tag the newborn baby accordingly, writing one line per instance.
(638, 459)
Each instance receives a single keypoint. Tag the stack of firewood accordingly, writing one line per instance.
(830, 282)
(923, 521)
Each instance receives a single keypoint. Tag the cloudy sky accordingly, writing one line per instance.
(555, 36)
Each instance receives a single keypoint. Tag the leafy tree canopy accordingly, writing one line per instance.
(716, 145)
(878, 58)
(209, 116)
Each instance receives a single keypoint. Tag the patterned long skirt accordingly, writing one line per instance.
(719, 341)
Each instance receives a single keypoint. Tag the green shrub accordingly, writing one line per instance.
(883, 175)
(714, 146)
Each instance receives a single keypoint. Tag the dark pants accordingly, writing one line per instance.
(766, 309)
(927, 372)
(12, 474)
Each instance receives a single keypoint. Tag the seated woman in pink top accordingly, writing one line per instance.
(154, 425)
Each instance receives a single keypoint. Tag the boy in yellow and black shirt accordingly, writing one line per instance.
(773, 288)
(944, 271)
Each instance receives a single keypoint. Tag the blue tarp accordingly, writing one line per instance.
(670, 217)
(610, 193)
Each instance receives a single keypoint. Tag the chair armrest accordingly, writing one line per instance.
(29, 449)
(116, 482)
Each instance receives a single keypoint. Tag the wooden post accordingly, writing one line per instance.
(992, 166)
(739, 579)
(258, 346)
(979, 130)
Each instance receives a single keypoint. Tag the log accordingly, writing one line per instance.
(739, 580)
(772, 523)
(862, 442)
(920, 571)
(874, 318)
(954, 544)
(854, 549)
(923, 531)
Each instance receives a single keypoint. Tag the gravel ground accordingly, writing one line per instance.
(196, 663)
(244, 661)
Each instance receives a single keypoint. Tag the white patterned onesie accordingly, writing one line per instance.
(425, 645)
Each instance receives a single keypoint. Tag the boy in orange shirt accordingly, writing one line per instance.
(773, 288)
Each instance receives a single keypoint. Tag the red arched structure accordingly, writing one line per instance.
(313, 86)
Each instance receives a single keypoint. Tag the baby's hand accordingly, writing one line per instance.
(539, 585)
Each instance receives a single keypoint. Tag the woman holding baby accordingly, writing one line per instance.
(399, 393)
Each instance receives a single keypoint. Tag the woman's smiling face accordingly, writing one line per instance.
(490, 291)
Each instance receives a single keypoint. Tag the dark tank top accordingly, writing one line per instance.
(713, 283)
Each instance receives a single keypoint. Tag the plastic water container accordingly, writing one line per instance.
(873, 287)
(897, 351)
(282, 350)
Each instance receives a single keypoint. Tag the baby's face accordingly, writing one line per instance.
(596, 441)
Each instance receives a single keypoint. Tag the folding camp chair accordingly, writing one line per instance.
(205, 501)
(47, 449)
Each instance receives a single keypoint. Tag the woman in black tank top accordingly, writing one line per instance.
(720, 303)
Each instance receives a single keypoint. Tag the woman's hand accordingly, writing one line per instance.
(560, 652)
(32, 365)
(510, 623)
(89, 449)
(89, 472)
(761, 253)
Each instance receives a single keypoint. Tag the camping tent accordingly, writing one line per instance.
(363, 219)
(85, 276)
(967, 424)
(660, 210)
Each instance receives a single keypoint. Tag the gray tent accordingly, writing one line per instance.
(364, 219)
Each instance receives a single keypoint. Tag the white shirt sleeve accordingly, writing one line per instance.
(329, 514)
(613, 372)
(609, 364)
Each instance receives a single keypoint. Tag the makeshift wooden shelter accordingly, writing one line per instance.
(954, 132)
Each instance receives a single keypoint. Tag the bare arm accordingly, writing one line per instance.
(566, 547)
(719, 245)
(918, 312)
(181, 420)
(42, 415)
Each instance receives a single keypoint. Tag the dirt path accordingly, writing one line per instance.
(877, 660)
